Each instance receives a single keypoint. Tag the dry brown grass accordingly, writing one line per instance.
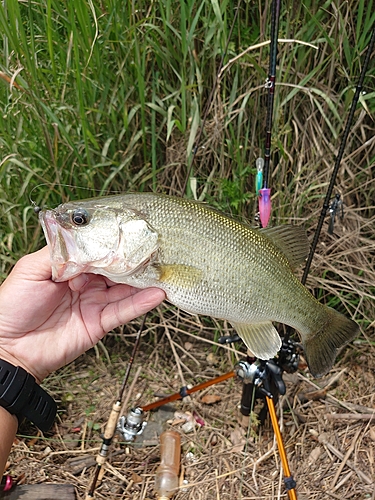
(329, 435)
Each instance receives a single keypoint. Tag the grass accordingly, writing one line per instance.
(109, 98)
(103, 97)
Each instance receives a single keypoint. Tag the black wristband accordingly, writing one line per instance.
(23, 397)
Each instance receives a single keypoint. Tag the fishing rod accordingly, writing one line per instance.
(326, 204)
(264, 201)
(263, 165)
(132, 424)
(113, 418)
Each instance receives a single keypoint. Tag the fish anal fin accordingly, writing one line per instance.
(291, 241)
(179, 275)
(261, 339)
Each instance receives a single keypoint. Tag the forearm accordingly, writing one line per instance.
(8, 429)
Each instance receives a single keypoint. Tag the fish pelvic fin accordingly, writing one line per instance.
(291, 241)
(179, 275)
(321, 347)
(261, 339)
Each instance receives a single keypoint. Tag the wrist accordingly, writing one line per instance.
(14, 360)
(20, 395)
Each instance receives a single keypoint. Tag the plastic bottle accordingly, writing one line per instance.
(166, 480)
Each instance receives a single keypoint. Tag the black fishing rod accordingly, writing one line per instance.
(270, 85)
(113, 418)
(264, 166)
(270, 369)
(340, 154)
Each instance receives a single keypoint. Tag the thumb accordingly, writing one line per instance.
(123, 311)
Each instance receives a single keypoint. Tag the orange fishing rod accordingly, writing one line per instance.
(184, 391)
(289, 481)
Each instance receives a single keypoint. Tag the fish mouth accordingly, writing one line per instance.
(61, 247)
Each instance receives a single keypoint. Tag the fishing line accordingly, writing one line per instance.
(36, 208)
(52, 187)
(340, 154)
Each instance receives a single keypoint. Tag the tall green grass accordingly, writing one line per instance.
(109, 96)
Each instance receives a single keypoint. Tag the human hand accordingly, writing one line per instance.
(45, 325)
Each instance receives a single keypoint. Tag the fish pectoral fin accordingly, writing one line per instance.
(179, 275)
(291, 241)
(261, 339)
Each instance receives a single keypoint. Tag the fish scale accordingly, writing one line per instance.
(207, 263)
(237, 253)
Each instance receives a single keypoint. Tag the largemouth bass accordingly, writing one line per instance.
(207, 263)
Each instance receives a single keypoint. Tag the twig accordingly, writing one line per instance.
(351, 416)
(83, 438)
(187, 353)
(343, 481)
(68, 452)
(230, 473)
(272, 451)
(108, 467)
(217, 486)
(345, 459)
(322, 439)
(176, 356)
(106, 354)
(348, 406)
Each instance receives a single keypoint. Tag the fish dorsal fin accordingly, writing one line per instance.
(261, 339)
(291, 241)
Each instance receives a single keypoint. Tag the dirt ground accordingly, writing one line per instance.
(328, 425)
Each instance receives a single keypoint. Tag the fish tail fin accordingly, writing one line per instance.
(321, 347)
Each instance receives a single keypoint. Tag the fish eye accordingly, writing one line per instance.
(80, 217)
